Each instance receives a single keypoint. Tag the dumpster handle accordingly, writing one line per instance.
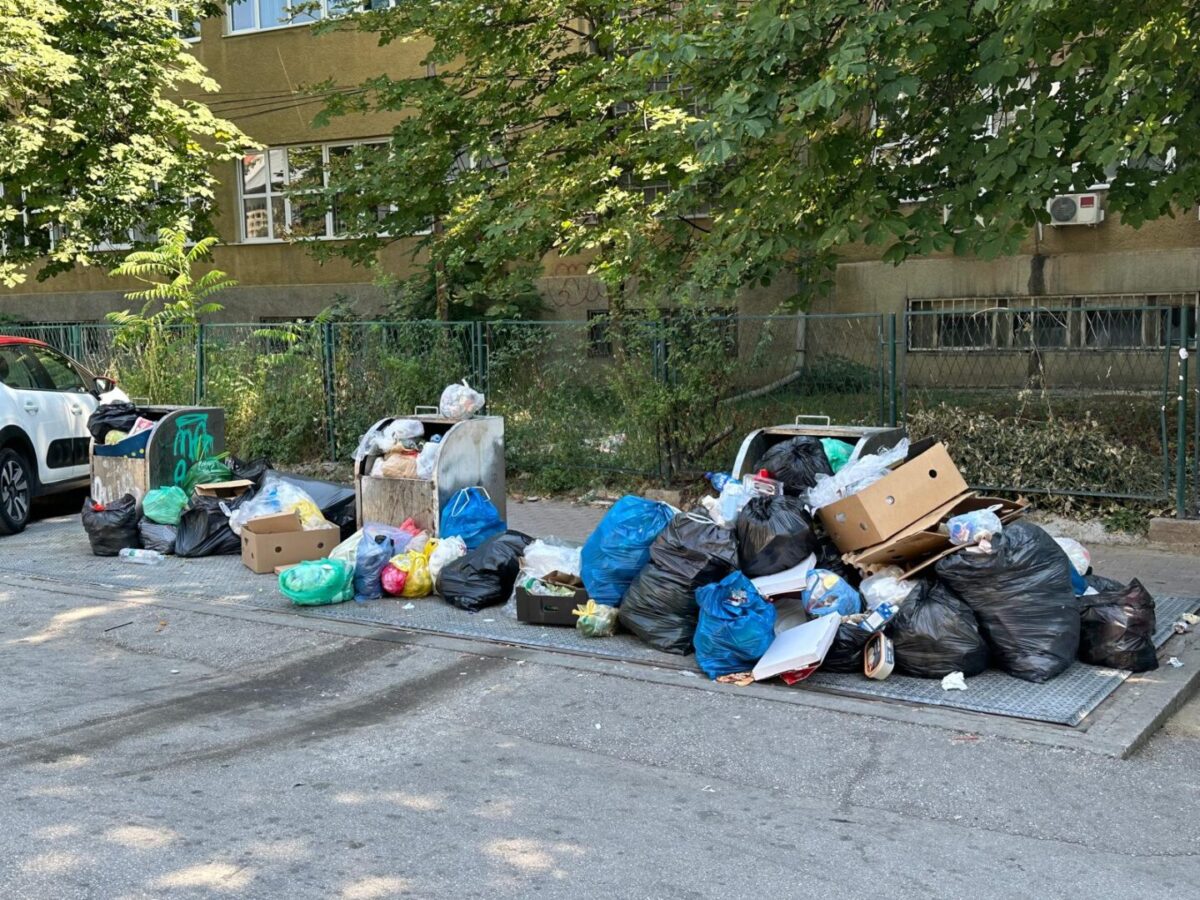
(828, 421)
(417, 410)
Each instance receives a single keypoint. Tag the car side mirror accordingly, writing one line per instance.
(102, 385)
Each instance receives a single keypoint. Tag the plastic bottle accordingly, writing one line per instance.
(141, 557)
(718, 479)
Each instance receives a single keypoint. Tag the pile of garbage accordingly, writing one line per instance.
(829, 559)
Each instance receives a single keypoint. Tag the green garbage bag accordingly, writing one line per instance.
(318, 583)
(837, 452)
(164, 505)
(206, 471)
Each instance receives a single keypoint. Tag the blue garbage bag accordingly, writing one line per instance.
(374, 552)
(736, 626)
(471, 515)
(619, 548)
(827, 592)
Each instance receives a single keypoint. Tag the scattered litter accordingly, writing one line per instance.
(174, 671)
(741, 679)
(954, 682)
(1182, 627)
(597, 726)
(162, 623)
(1174, 663)
(967, 737)
(1191, 618)
(708, 789)
(409, 606)
(688, 673)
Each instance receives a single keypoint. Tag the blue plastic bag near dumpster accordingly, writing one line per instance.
(374, 552)
(471, 516)
(736, 626)
(620, 546)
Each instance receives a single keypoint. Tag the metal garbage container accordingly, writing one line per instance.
(865, 438)
(471, 455)
(160, 457)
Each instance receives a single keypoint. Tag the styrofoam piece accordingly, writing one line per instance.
(799, 647)
(789, 581)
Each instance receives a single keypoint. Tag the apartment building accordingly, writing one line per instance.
(1088, 265)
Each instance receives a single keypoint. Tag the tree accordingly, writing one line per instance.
(98, 136)
(688, 148)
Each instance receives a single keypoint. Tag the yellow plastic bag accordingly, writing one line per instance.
(419, 582)
(310, 514)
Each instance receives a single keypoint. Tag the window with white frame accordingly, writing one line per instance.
(29, 228)
(189, 31)
(281, 190)
(260, 15)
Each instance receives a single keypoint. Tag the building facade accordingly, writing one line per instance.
(263, 63)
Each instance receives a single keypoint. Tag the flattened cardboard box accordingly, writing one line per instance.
(272, 541)
(922, 544)
(224, 490)
(910, 492)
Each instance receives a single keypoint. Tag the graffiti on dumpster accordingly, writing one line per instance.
(192, 443)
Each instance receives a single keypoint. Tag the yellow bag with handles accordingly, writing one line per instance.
(416, 565)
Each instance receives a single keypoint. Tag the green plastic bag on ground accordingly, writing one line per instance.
(164, 506)
(837, 452)
(318, 583)
(206, 471)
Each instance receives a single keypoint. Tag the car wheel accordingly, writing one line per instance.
(16, 492)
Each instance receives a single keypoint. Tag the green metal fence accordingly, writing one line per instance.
(1038, 401)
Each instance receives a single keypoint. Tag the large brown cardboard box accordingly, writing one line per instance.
(224, 490)
(923, 543)
(910, 492)
(270, 541)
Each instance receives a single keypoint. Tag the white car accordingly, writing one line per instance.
(45, 401)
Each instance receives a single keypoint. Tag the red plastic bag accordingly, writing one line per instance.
(393, 580)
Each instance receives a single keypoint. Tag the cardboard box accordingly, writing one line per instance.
(271, 541)
(922, 544)
(540, 609)
(224, 490)
(910, 492)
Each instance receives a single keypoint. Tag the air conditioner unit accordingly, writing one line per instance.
(1076, 209)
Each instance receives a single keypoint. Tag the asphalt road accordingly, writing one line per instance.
(147, 752)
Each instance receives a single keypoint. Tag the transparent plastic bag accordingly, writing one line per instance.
(397, 464)
(886, 586)
(974, 526)
(428, 457)
(275, 497)
(446, 551)
(381, 441)
(544, 556)
(855, 476)
(829, 593)
(595, 619)
(1078, 554)
(460, 401)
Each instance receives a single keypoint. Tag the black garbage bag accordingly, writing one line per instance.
(796, 462)
(111, 527)
(773, 534)
(935, 633)
(1100, 583)
(204, 529)
(1117, 629)
(252, 470)
(829, 558)
(335, 501)
(845, 654)
(1021, 594)
(157, 537)
(485, 576)
(116, 416)
(660, 605)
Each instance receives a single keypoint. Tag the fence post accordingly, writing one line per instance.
(480, 375)
(200, 364)
(892, 377)
(76, 343)
(329, 382)
(1181, 449)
